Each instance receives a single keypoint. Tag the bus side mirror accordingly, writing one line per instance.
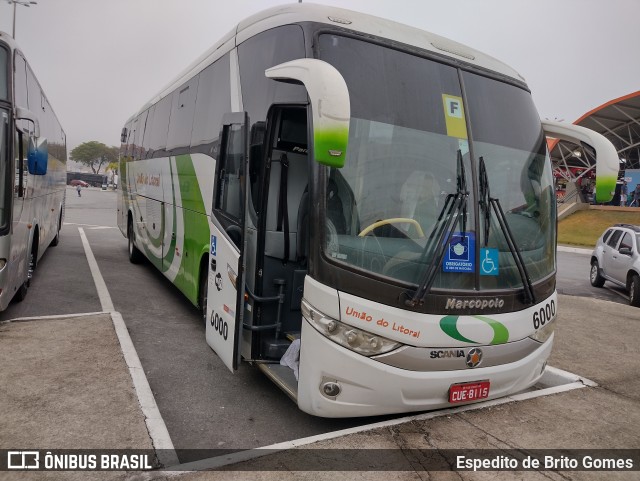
(38, 153)
(330, 107)
(37, 156)
(24, 114)
(607, 161)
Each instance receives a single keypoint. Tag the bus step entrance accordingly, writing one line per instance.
(292, 336)
(283, 376)
(274, 348)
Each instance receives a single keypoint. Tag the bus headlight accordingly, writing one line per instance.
(357, 340)
(3, 262)
(544, 333)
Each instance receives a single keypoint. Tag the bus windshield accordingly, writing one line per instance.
(4, 63)
(407, 132)
(6, 180)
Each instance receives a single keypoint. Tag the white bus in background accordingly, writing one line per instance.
(32, 173)
(363, 210)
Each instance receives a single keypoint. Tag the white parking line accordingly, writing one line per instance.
(92, 226)
(155, 424)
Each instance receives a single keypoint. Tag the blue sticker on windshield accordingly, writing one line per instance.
(489, 262)
(460, 256)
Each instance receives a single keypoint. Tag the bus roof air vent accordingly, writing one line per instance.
(454, 49)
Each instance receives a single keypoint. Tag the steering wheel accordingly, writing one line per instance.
(394, 220)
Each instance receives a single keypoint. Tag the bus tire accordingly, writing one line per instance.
(56, 239)
(203, 294)
(135, 256)
(634, 291)
(33, 259)
(22, 291)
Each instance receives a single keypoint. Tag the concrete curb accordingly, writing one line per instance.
(575, 250)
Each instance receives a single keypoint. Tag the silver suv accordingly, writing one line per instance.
(616, 259)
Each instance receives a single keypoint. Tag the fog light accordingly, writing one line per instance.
(330, 389)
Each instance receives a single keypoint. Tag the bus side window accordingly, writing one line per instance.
(229, 194)
(22, 145)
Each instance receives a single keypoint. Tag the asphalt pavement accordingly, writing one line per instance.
(66, 385)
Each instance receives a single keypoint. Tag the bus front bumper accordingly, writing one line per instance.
(369, 387)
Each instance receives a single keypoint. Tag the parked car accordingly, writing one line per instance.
(76, 182)
(616, 258)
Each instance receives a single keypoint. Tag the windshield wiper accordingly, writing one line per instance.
(440, 236)
(486, 204)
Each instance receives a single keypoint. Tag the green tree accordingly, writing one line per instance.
(94, 154)
(113, 167)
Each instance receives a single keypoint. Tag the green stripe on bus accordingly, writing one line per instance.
(196, 228)
(449, 325)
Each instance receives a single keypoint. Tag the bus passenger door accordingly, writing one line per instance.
(225, 290)
(19, 255)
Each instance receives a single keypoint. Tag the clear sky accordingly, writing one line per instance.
(100, 60)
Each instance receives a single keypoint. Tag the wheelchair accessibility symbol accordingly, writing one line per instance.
(489, 262)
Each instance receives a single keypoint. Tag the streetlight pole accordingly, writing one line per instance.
(15, 3)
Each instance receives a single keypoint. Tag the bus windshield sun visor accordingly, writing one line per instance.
(486, 204)
(440, 237)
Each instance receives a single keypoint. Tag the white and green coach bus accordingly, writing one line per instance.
(32, 173)
(363, 210)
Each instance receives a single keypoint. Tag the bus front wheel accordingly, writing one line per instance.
(22, 291)
(203, 294)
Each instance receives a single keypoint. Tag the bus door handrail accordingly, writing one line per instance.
(268, 299)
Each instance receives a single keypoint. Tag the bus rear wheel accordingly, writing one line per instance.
(135, 256)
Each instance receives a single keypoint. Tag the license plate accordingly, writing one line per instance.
(469, 391)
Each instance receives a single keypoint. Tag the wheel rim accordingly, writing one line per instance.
(30, 269)
(594, 272)
(632, 289)
(203, 300)
(204, 306)
(130, 239)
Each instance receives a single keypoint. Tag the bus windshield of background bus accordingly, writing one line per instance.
(6, 180)
(4, 87)
(408, 124)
